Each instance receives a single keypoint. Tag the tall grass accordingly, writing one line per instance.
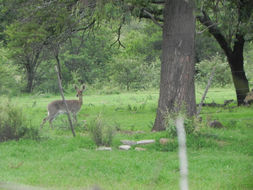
(101, 133)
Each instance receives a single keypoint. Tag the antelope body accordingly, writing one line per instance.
(58, 107)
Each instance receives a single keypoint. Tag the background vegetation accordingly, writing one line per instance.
(102, 66)
(118, 58)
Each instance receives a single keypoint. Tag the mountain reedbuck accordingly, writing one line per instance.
(58, 107)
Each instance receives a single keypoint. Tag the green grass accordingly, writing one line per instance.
(218, 158)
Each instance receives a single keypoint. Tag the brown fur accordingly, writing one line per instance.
(58, 107)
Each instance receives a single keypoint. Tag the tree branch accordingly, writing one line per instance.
(206, 90)
(148, 14)
(214, 30)
(152, 18)
(119, 33)
(65, 103)
(200, 32)
(85, 28)
(158, 2)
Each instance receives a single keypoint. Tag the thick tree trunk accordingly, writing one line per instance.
(236, 64)
(177, 90)
(241, 83)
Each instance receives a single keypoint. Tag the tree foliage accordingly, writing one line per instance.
(108, 42)
(37, 25)
(10, 81)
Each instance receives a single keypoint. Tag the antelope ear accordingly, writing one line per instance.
(83, 87)
(75, 87)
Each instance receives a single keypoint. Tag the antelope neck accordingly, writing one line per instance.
(81, 100)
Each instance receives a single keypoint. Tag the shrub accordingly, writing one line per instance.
(101, 133)
(191, 124)
(134, 72)
(222, 76)
(9, 77)
(188, 125)
(13, 124)
(248, 66)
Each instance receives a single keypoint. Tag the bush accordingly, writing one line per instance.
(222, 76)
(101, 133)
(248, 66)
(191, 124)
(134, 72)
(188, 125)
(10, 79)
(13, 124)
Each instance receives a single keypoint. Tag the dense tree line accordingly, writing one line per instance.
(129, 43)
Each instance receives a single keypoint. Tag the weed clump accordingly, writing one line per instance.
(101, 133)
(13, 124)
(191, 124)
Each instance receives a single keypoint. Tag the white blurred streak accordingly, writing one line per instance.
(182, 154)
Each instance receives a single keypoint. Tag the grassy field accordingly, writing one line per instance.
(218, 158)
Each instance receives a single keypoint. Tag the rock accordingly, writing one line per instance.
(145, 142)
(140, 149)
(128, 142)
(104, 148)
(164, 141)
(216, 124)
(124, 147)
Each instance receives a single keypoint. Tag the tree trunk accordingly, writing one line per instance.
(30, 76)
(30, 79)
(177, 90)
(241, 83)
(31, 69)
(236, 64)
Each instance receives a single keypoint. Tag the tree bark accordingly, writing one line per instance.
(236, 64)
(177, 90)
